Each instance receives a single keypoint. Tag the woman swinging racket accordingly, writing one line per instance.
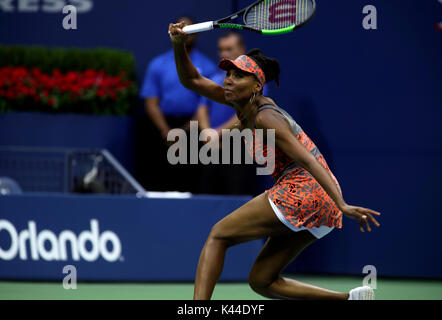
(304, 204)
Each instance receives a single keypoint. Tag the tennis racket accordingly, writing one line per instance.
(265, 16)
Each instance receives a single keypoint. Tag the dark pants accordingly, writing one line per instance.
(232, 179)
(153, 170)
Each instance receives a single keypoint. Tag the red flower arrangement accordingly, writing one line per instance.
(88, 91)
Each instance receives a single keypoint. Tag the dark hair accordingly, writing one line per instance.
(270, 66)
(186, 17)
(234, 34)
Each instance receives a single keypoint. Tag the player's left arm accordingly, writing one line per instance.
(290, 145)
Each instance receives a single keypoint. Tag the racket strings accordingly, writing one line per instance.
(278, 14)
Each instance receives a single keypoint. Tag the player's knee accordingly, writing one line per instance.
(259, 283)
(217, 231)
(220, 233)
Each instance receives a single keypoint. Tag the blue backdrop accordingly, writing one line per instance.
(134, 239)
(370, 99)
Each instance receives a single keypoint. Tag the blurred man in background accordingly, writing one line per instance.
(225, 178)
(169, 105)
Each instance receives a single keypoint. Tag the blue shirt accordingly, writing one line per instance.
(220, 113)
(161, 81)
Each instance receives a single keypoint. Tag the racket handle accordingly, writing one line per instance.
(199, 27)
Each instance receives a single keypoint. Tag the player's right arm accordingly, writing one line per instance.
(189, 76)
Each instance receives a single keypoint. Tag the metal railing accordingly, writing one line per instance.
(66, 171)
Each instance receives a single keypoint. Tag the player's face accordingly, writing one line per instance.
(229, 48)
(239, 86)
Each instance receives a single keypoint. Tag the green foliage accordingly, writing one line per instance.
(113, 63)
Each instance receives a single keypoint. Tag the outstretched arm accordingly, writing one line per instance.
(189, 76)
(287, 142)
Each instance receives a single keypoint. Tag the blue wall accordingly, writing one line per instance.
(113, 133)
(138, 26)
(371, 100)
(161, 240)
(154, 239)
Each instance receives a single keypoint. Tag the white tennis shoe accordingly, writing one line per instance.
(361, 293)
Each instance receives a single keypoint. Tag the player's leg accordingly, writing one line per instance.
(274, 257)
(253, 220)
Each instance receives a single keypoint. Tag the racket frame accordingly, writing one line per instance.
(223, 23)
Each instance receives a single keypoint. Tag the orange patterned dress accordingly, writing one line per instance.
(300, 200)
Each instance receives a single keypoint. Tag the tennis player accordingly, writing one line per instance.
(305, 202)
